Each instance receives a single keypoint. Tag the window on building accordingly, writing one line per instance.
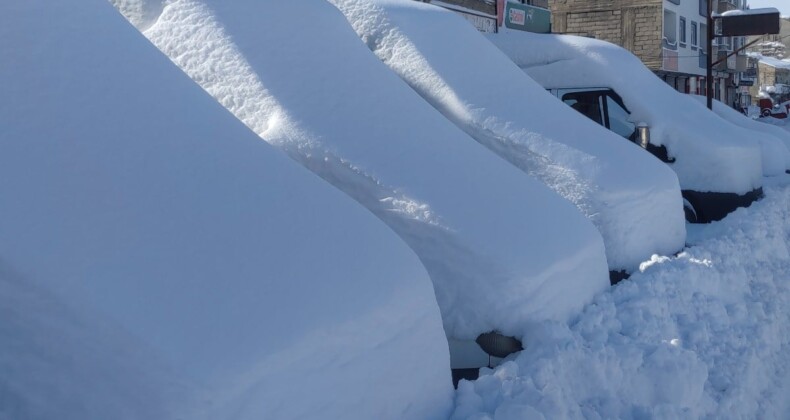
(682, 31)
(728, 41)
(694, 35)
(670, 29)
(703, 37)
(703, 8)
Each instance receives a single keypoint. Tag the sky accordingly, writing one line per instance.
(782, 5)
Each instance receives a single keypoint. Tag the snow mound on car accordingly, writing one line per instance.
(502, 249)
(710, 156)
(774, 142)
(173, 265)
(615, 184)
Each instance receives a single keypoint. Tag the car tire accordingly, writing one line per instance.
(766, 113)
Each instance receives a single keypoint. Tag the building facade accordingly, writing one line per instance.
(669, 36)
(502, 15)
(773, 79)
(768, 71)
(774, 45)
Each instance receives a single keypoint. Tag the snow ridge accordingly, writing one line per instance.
(332, 125)
(429, 48)
(233, 82)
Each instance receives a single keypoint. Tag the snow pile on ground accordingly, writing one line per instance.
(711, 156)
(774, 142)
(158, 260)
(501, 248)
(617, 185)
(705, 334)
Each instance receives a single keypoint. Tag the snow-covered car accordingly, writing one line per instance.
(771, 138)
(633, 199)
(605, 107)
(502, 250)
(159, 261)
(719, 165)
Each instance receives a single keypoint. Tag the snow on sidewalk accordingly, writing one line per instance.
(705, 334)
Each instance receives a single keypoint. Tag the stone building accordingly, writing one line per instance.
(669, 36)
(773, 78)
(774, 45)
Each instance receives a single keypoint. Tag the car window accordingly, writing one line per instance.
(588, 103)
(618, 118)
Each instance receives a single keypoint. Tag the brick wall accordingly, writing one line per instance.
(634, 24)
(767, 75)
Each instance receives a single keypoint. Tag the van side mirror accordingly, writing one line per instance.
(643, 140)
(642, 135)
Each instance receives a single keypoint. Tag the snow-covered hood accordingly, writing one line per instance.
(614, 183)
(710, 155)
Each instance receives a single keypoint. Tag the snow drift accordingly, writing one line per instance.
(502, 250)
(711, 156)
(632, 197)
(157, 260)
(701, 335)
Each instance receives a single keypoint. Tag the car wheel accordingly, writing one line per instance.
(766, 113)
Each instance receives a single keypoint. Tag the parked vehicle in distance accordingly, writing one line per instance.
(604, 106)
(768, 109)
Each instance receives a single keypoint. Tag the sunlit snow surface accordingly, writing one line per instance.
(159, 261)
(500, 247)
(614, 183)
(774, 142)
(701, 335)
(711, 155)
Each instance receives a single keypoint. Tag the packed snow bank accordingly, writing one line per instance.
(710, 156)
(135, 197)
(617, 185)
(773, 142)
(500, 248)
(705, 334)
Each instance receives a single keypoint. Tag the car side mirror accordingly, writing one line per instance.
(643, 140)
(642, 135)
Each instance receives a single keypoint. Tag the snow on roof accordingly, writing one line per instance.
(740, 12)
(775, 62)
(710, 155)
(616, 184)
(501, 249)
(160, 261)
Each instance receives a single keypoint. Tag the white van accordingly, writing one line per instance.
(604, 106)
